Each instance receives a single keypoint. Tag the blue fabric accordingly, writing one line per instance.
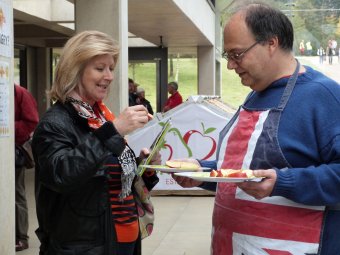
(309, 137)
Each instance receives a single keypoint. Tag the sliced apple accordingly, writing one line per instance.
(213, 173)
(233, 173)
(226, 172)
(238, 174)
(249, 173)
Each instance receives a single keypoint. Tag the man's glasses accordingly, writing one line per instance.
(237, 57)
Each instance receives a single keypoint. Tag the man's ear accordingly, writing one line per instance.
(273, 44)
(274, 41)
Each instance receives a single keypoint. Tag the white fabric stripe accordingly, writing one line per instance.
(247, 244)
(225, 142)
(240, 194)
(253, 139)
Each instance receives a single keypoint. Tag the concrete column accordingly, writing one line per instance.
(206, 70)
(218, 83)
(39, 73)
(7, 169)
(111, 17)
(219, 50)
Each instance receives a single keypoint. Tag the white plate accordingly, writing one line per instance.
(205, 177)
(166, 169)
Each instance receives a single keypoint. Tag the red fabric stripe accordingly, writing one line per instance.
(113, 165)
(275, 252)
(261, 219)
(238, 140)
(275, 223)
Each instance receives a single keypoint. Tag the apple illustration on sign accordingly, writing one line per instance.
(164, 145)
(168, 148)
(176, 133)
(204, 135)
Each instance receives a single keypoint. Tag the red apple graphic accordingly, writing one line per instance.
(188, 134)
(170, 149)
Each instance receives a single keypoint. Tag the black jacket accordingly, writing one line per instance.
(71, 185)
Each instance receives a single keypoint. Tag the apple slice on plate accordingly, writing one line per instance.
(232, 173)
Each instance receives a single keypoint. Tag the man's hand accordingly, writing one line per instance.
(186, 182)
(260, 189)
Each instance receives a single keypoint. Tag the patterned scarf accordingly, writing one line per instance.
(96, 117)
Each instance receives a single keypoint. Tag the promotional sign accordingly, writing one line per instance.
(6, 54)
(195, 127)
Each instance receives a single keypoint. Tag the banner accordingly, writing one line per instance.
(193, 134)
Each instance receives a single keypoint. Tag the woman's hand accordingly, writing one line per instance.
(260, 189)
(156, 159)
(130, 119)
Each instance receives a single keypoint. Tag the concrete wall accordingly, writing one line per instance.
(195, 10)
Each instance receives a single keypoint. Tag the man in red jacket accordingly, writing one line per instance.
(175, 98)
(26, 119)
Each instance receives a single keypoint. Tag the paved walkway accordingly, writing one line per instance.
(182, 225)
(332, 71)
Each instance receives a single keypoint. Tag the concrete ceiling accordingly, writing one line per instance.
(148, 19)
(34, 31)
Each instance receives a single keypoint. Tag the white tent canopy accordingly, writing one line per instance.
(196, 124)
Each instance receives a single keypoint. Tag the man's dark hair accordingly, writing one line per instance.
(266, 22)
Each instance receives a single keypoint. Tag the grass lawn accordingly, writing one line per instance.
(233, 92)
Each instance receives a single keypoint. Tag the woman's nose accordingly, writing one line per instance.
(108, 74)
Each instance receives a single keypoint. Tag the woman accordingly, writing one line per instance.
(84, 168)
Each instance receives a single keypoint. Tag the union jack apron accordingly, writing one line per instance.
(243, 225)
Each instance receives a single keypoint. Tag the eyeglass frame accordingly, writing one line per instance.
(237, 57)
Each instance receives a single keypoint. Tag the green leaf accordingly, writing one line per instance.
(209, 130)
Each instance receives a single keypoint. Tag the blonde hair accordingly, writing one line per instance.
(77, 52)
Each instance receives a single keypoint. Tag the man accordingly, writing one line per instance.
(26, 119)
(302, 47)
(175, 97)
(288, 132)
(142, 100)
(132, 92)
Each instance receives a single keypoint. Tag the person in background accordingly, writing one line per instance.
(309, 48)
(288, 132)
(302, 47)
(330, 52)
(132, 92)
(26, 119)
(142, 100)
(321, 54)
(85, 169)
(175, 97)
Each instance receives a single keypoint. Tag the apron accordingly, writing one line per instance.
(243, 225)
